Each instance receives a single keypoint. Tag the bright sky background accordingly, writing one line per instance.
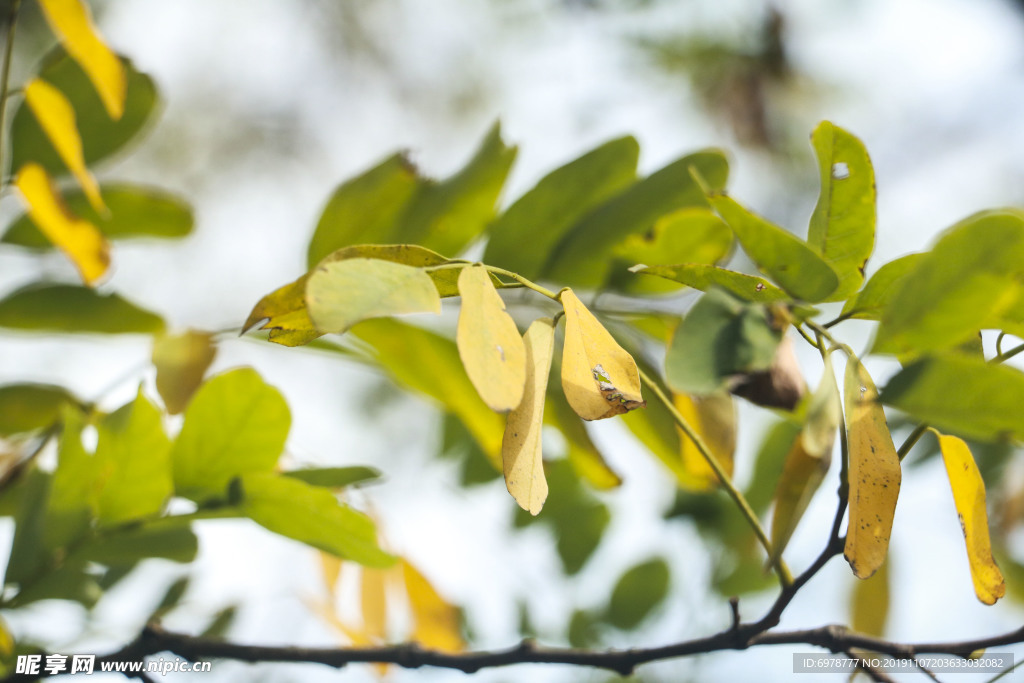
(270, 104)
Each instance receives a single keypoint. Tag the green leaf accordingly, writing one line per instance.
(335, 477)
(872, 300)
(448, 215)
(28, 553)
(576, 518)
(581, 257)
(689, 236)
(135, 211)
(436, 371)
(843, 223)
(313, 516)
(584, 629)
(445, 279)
(961, 394)
(167, 539)
(637, 593)
(67, 582)
(969, 278)
(475, 466)
(703, 277)
(71, 505)
(523, 237)
(342, 293)
(70, 308)
(223, 620)
(720, 337)
(782, 256)
(365, 208)
(101, 135)
(172, 596)
(770, 459)
(132, 463)
(235, 424)
(28, 407)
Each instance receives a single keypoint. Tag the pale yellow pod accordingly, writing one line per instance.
(489, 343)
(521, 458)
(79, 239)
(969, 498)
(874, 473)
(599, 377)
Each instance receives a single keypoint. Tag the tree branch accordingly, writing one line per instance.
(835, 638)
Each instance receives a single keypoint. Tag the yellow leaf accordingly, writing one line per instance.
(181, 361)
(520, 447)
(343, 293)
(869, 604)
(714, 418)
(286, 315)
(874, 473)
(373, 602)
(969, 498)
(330, 567)
(79, 239)
(436, 623)
(72, 22)
(802, 473)
(599, 377)
(489, 343)
(57, 119)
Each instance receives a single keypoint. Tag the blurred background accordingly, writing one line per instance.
(268, 105)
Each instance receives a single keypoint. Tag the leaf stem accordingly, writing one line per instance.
(785, 577)
(1007, 355)
(5, 75)
(523, 281)
(911, 440)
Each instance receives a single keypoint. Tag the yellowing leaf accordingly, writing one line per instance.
(286, 315)
(57, 119)
(584, 456)
(489, 343)
(808, 460)
(72, 22)
(801, 476)
(79, 239)
(520, 447)
(181, 361)
(824, 412)
(373, 602)
(969, 497)
(874, 473)
(436, 623)
(599, 377)
(869, 604)
(714, 418)
(330, 567)
(342, 293)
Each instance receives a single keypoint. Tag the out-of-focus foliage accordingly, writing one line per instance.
(555, 329)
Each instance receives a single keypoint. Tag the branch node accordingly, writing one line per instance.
(734, 606)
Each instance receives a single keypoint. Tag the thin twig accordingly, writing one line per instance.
(785, 577)
(5, 75)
